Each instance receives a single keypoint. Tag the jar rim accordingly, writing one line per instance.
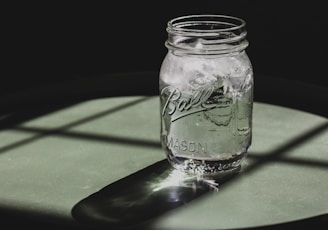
(189, 23)
(206, 34)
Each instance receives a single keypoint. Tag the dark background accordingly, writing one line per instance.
(47, 43)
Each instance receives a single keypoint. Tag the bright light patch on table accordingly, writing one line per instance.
(177, 178)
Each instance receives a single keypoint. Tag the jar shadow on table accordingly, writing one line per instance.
(143, 196)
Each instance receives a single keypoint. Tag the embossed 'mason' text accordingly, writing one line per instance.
(190, 146)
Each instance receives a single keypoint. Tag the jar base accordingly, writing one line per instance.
(201, 167)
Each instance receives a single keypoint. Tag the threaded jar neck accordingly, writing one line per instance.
(206, 34)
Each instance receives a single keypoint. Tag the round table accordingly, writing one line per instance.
(98, 162)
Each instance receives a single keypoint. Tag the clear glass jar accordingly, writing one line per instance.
(206, 94)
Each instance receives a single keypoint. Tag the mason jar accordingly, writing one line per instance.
(206, 94)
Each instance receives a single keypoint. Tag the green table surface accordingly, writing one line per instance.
(100, 161)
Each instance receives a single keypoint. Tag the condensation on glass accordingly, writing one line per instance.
(206, 94)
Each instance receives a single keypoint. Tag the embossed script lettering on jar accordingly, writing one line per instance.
(206, 95)
(180, 107)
